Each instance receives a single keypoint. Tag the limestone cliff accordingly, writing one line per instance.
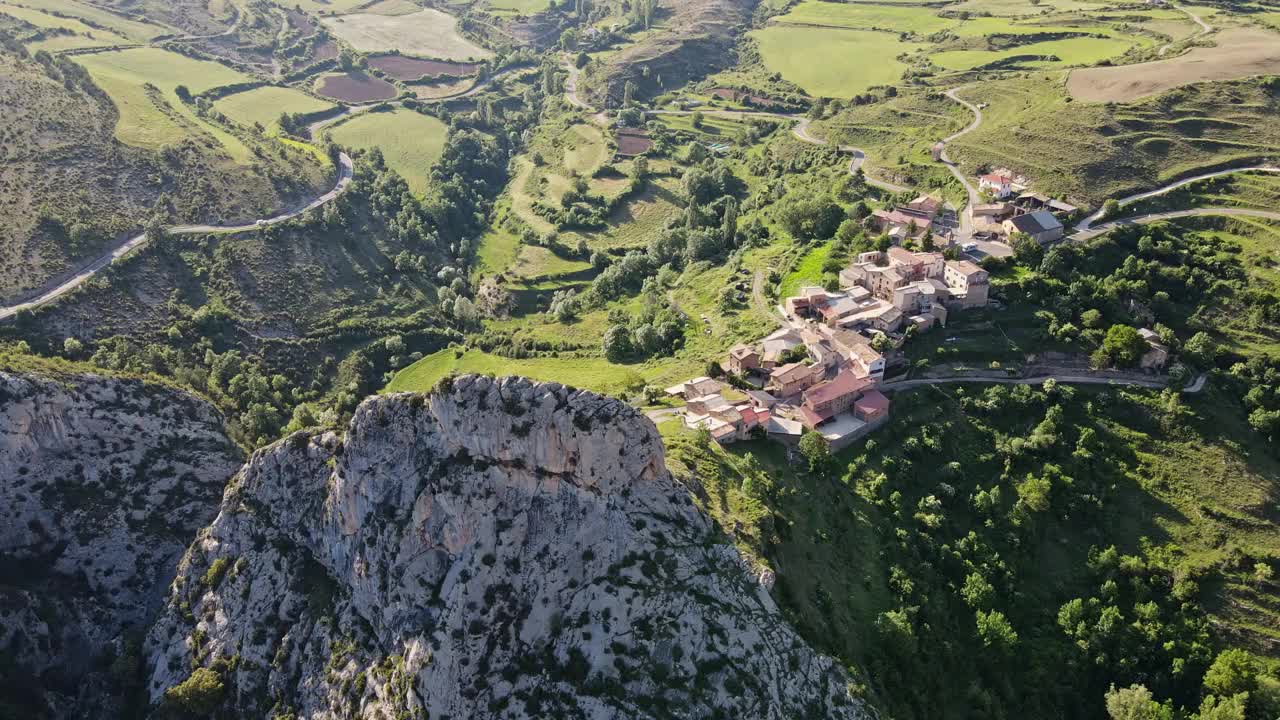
(103, 484)
(497, 549)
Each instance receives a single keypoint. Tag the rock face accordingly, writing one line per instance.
(103, 484)
(497, 549)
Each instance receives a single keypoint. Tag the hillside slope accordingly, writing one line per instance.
(103, 483)
(695, 37)
(70, 189)
(497, 549)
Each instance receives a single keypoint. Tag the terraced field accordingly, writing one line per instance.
(91, 15)
(83, 35)
(153, 119)
(354, 87)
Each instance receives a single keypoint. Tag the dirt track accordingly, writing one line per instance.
(1239, 53)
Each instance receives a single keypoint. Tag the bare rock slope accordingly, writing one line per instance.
(103, 484)
(496, 549)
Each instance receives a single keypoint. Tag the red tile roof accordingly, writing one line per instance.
(872, 402)
(843, 384)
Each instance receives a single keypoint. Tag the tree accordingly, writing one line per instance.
(1134, 703)
(1110, 208)
(1026, 250)
(1201, 350)
(72, 347)
(814, 449)
(815, 218)
(729, 225)
(1233, 671)
(1223, 708)
(197, 696)
(628, 94)
(977, 592)
(696, 119)
(183, 93)
(617, 343)
(1122, 347)
(1091, 319)
(995, 631)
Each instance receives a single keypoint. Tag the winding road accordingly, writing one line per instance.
(1154, 384)
(346, 170)
(1086, 230)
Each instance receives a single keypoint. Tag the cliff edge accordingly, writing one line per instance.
(499, 548)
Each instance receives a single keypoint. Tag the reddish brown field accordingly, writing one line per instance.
(326, 50)
(355, 88)
(633, 142)
(407, 68)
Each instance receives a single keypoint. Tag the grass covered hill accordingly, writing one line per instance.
(1092, 151)
(314, 301)
(71, 185)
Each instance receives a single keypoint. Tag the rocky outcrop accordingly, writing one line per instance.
(499, 548)
(103, 485)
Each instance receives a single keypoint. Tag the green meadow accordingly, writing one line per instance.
(410, 142)
(264, 105)
(833, 62)
(1052, 53)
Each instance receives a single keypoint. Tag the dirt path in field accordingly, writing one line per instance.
(346, 169)
(1205, 29)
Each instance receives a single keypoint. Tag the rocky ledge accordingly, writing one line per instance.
(498, 548)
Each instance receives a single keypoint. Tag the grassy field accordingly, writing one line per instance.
(638, 220)
(264, 105)
(534, 261)
(327, 7)
(429, 33)
(524, 7)
(132, 30)
(410, 142)
(1072, 51)
(153, 122)
(85, 35)
(585, 149)
(898, 134)
(832, 62)
(808, 271)
(904, 18)
(595, 374)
